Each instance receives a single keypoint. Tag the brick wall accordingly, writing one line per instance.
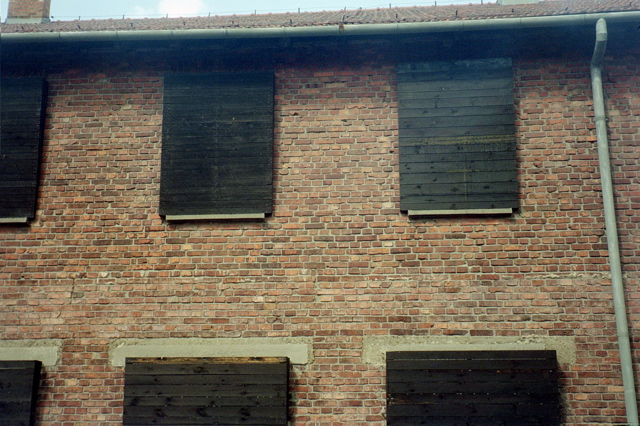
(336, 262)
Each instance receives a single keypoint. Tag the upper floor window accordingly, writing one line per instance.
(217, 145)
(457, 137)
(22, 114)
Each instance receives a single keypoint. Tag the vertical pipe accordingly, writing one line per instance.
(622, 326)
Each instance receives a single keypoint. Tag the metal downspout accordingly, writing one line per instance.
(611, 227)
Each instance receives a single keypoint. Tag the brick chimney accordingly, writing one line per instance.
(28, 11)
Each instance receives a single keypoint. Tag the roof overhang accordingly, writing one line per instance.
(340, 30)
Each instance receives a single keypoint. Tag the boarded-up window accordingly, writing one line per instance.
(19, 381)
(206, 391)
(217, 144)
(457, 137)
(472, 388)
(22, 113)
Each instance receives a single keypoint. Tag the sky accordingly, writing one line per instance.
(104, 9)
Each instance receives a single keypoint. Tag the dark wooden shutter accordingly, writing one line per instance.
(19, 381)
(22, 113)
(217, 144)
(229, 391)
(457, 136)
(472, 388)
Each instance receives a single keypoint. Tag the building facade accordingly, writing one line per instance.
(147, 238)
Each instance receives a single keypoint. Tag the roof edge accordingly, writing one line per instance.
(322, 31)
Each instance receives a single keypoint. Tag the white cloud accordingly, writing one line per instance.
(177, 8)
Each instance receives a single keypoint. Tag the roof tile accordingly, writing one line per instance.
(359, 16)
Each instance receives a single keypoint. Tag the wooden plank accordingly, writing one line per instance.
(219, 193)
(173, 421)
(227, 401)
(455, 146)
(462, 163)
(17, 150)
(175, 142)
(221, 101)
(191, 183)
(461, 189)
(452, 387)
(449, 111)
(206, 411)
(472, 421)
(456, 74)
(180, 93)
(458, 191)
(512, 411)
(210, 130)
(422, 176)
(17, 184)
(219, 197)
(439, 66)
(218, 167)
(221, 79)
(480, 130)
(474, 96)
(472, 355)
(239, 365)
(473, 121)
(200, 361)
(218, 160)
(471, 99)
(460, 87)
(468, 397)
(462, 376)
(204, 379)
(267, 390)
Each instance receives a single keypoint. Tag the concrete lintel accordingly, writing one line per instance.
(412, 213)
(47, 351)
(375, 347)
(298, 350)
(238, 216)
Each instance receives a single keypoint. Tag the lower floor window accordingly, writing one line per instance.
(472, 388)
(197, 391)
(19, 382)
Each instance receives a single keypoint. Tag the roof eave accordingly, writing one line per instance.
(322, 31)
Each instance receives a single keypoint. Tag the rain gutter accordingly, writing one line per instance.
(620, 309)
(322, 31)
